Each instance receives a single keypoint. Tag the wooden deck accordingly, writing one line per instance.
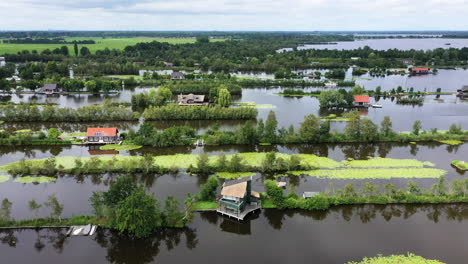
(248, 209)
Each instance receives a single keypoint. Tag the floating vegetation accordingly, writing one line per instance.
(120, 147)
(407, 173)
(451, 142)
(461, 165)
(400, 259)
(387, 163)
(413, 143)
(30, 179)
(4, 178)
(234, 175)
(254, 104)
(265, 144)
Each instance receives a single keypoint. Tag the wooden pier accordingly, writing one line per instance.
(248, 209)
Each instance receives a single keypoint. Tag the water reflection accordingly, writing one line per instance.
(123, 249)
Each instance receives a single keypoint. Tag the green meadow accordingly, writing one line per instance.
(101, 43)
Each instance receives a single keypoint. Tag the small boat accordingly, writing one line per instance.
(376, 106)
(448, 44)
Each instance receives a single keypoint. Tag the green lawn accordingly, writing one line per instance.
(111, 43)
(205, 205)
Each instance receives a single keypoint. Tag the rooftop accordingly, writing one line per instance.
(361, 99)
(102, 132)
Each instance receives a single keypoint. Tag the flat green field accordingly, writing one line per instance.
(101, 43)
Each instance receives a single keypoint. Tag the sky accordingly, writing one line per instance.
(233, 15)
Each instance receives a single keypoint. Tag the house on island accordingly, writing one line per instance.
(238, 199)
(191, 99)
(2, 62)
(361, 101)
(169, 64)
(50, 88)
(102, 135)
(177, 76)
(417, 70)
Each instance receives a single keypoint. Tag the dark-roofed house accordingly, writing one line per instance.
(50, 88)
(102, 135)
(177, 76)
(361, 101)
(463, 92)
(419, 70)
(238, 199)
(191, 99)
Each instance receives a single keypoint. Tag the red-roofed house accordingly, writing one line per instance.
(420, 70)
(361, 100)
(102, 135)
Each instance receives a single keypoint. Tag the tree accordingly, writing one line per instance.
(353, 127)
(84, 51)
(55, 207)
(91, 86)
(224, 97)
(53, 133)
(34, 207)
(271, 125)
(310, 129)
(413, 187)
(75, 48)
(455, 129)
(268, 163)
(369, 130)
(5, 210)
(247, 134)
(275, 193)
(64, 50)
(119, 191)
(386, 126)
(208, 190)
(203, 166)
(416, 127)
(172, 216)
(138, 214)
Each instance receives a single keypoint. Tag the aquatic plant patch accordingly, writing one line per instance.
(120, 147)
(400, 259)
(4, 178)
(460, 164)
(39, 179)
(407, 173)
(451, 142)
(234, 175)
(387, 163)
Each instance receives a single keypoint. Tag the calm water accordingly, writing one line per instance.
(401, 44)
(74, 192)
(336, 236)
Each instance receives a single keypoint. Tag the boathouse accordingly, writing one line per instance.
(420, 70)
(191, 99)
(102, 135)
(50, 88)
(361, 101)
(238, 199)
(177, 76)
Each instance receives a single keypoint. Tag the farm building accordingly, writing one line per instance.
(420, 70)
(50, 88)
(191, 99)
(238, 199)
(361, 101)
(177, 76)
(102, 135)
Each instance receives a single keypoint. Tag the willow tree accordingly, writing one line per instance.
(224, 97)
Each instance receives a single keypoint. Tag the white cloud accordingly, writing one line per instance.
(233, 15)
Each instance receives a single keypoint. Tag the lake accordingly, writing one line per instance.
(338, 235)
(400, 44)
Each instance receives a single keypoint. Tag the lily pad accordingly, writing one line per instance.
(4, 178)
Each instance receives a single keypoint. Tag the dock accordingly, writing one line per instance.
(86, 230)
(247, 210)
